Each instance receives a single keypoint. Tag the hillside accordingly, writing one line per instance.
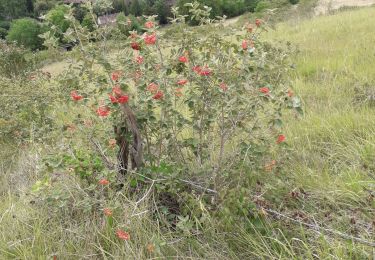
(314, 200)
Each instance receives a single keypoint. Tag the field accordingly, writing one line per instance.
(319, 204)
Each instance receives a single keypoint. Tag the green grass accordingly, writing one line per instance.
(331, 167)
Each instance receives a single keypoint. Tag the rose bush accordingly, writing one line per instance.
(187, 112)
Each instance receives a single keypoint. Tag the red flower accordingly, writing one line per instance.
(103, 182)
(107, 212)
(153, 88)
(150, 39)
(139, 59)
(113, 99)
(149, 24)
(103, 111)
(244, 45)
(115, 75)
(178, 92)
(205, 71)
(117, 91)
(290, 93)
(280, 139)
(183, 59)
(122, 234)
(123, 99)
(135, 46)
(223, 86)
(197, 69)
(158, 95)
(182, 82)
(258, 22)
(75, 95)
(264, 90)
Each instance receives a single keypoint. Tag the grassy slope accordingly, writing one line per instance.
(331, 168)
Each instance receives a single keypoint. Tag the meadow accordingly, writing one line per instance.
(316, 202)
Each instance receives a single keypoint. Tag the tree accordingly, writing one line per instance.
(11, 9)
(26, 32)
(163, 11)
(136, 8)
(56, 17)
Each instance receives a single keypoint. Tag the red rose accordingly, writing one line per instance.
(75, 95)
(182, 82)
(122, 235)
(280, 139)
(149, 25)
(103, 111)
(183, 59)
(158, 95)
(264, 90)
(150, 39)
(123, 99)
(135, 46)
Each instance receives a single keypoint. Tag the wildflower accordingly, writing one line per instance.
(205, 71)
(135, 46)
(183, 59)
(223, 86)
(115, 75)
(113, 99)
(153, 88)
(178, 92)
(122, 234)
(107, 212)
(244, 45)
(103, 111)
(112, 143)
(258, 22)
(117, 91)
(280, 139)
(290, 93)
(123, 99)
(158, 95)
(197, 69)
(103, 182)
(150, 39)
(264, 90)
(149, 25)
(139, 59)
(270, 166)
(75, 95)
(182, 82)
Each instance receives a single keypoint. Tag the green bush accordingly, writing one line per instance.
(57, 18)
(128, 23)
(5, 25)
(88, 22)
(26, 32)
(3, 33)
(163, 11)
(12, 60)
(261, 6)
(293, 2)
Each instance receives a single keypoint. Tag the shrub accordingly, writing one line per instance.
(136, 8)
(163, 11)
(3, 33)
(12, 60)
(56, 17)
(185, 110)
(128, 23)
(88, 22)
(293, 2)
(26, 32)
(262, 5)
